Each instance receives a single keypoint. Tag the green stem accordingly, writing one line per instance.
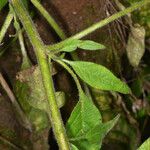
(46, 73)
(59, 31)
(5, 26)
(26, 62)
(71, 72)
(50, 19)
(101, 23)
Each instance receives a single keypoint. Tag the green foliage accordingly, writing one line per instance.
(98, 76)
(2, 4)
(85, 128)
(72, 45)
(145, 145)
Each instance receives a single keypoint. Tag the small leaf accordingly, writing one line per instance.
(72, 45)
(98, 76)
(136, 45)
(3, 3)
(90, 45)
(145, 145)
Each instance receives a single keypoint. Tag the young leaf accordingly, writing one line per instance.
(72, 45)
(3, 3)
(145, 145)
(90, 45)
(98, 76)
(84, 127)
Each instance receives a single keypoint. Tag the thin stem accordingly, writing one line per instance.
(50, 19)
(46, 73)
(22, 117)
(12, 145)
(26, 62)
(5, 26)
(101, 23)
(59, 31)
(71, 72)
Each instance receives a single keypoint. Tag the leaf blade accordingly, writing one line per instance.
(98, 76)
(91, 45)
(85, 128)
(72, 45)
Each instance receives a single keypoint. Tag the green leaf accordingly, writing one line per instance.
(3, 3)
(98, 76)
(72, 45)
(85, 128)
(90, 45)
(84, 118)
(145, 145)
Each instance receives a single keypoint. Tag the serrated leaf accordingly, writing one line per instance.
(84, 117)
(106, 127)
(3, 3)
(72, 45)
(145, 145)
(136, 45)
(84, 127)
(98, 76)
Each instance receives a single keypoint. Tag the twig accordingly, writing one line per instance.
(100, 24)
(50, 19)
(6, 25)
(10, 143)
(22, 117)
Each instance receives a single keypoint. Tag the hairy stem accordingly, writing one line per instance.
(101, 23)
(71, 73)
(26, 62)
(5, 26)
(21, 115)
(46, 73)
(59, 32)
(50, 19)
